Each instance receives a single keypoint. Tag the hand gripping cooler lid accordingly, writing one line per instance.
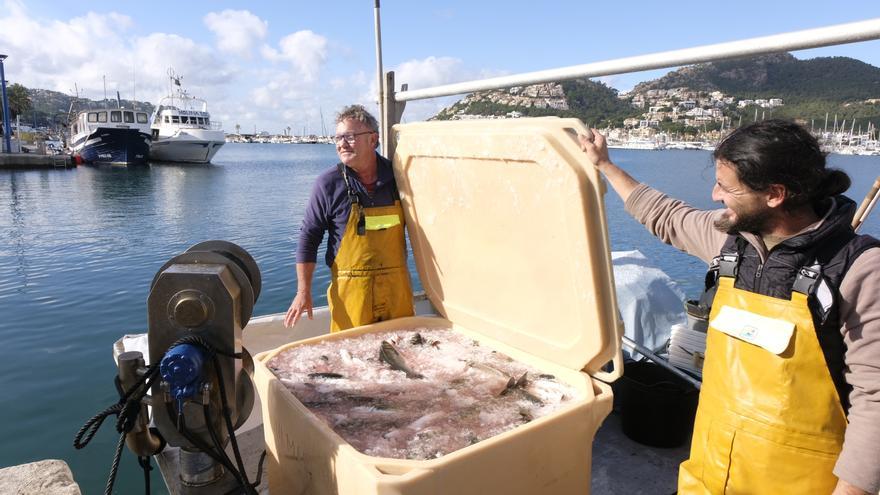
(507, 224)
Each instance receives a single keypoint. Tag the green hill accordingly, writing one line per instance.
(50, 108)
(810, 89)
(593, 102)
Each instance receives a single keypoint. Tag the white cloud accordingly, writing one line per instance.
(431, 71)
(428, 72)
(59, 55)
(203, 73)
(305, 50)
(237, 31)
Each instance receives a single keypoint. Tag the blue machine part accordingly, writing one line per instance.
(182, 369)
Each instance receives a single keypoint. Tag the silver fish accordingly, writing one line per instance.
(389, 354)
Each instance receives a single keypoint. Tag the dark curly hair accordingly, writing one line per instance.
(781, 152)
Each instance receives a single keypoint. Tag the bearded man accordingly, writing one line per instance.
(790, 401)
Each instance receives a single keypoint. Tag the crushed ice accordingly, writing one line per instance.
(466, 392)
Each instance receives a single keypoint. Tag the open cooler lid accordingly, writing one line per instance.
(507, 223)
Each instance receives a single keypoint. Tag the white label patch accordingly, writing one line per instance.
(768, 333)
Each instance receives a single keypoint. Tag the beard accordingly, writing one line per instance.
(746, 221)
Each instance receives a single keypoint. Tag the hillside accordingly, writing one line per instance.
(838, 79)
(811, 90)
(739, 89)
(51, 107)
(590, 101)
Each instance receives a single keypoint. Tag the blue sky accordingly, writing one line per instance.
(272, 65)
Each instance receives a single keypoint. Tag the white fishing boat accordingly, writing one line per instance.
(117, 136)
(182, 128)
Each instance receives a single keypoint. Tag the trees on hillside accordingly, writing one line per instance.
(19, 100)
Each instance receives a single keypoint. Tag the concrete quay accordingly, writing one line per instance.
(10, 161)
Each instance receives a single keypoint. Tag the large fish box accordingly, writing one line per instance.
(507, 226)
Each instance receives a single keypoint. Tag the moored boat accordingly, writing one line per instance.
(182, 129)
(117, 136)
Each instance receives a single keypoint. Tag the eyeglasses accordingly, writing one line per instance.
(349, 138)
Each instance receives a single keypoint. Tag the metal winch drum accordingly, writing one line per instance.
(205, 296)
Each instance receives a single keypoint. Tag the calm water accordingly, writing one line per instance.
(79, 248)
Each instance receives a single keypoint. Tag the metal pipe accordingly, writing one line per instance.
(380, 75)
(798, 40)
(866, 206)
(660, 361)
(7, 131)
(140, 440)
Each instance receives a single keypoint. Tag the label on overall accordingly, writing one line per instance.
(768, 333)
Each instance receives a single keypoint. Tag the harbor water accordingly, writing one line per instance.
(79, 248)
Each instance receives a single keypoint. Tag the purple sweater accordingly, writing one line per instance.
(329, 207)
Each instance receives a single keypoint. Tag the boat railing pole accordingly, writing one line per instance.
(866, 206)
(798, 40)
(380, 76)
(7, 131)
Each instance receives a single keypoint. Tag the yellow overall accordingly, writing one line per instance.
(370, 281)
(768, 422)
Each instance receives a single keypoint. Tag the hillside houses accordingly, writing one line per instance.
(686, 106)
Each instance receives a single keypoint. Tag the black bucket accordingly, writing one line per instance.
(657, 407)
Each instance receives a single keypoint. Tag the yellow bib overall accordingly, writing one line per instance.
(370, 281)
(769, 421)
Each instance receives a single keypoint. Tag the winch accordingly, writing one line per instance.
(198, 377)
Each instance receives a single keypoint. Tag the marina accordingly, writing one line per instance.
(79, 277)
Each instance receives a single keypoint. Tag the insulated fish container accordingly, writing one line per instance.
(508, 230)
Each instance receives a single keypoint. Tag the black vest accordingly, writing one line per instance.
(804, 263)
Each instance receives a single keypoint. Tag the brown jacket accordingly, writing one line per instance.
(692, 231)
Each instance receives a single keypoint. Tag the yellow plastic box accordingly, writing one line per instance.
(507, 225)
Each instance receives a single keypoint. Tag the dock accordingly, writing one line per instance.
(31, 161)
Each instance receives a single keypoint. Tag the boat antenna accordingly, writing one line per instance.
(379, 76)
(104, 77)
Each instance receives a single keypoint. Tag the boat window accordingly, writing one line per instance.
(167, 119)
(102, 116)
(207, 121)
(115, 116)
(142, 118)
(201, 121)
(184, 120)
(129, 117)
(175, 119)
(93, 116)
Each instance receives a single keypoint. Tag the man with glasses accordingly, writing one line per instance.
(357, 204)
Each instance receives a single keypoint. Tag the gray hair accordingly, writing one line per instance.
(359, 113)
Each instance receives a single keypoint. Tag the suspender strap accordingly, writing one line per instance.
(355, 200)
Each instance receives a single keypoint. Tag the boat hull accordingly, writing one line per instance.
(187, 147)
(118, 146)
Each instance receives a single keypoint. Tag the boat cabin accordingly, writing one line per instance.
(108, 118)
(183, 118)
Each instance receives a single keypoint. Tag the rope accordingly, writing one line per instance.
(128, 408)
(145, 464)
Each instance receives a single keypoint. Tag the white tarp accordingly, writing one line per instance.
(649, 301)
